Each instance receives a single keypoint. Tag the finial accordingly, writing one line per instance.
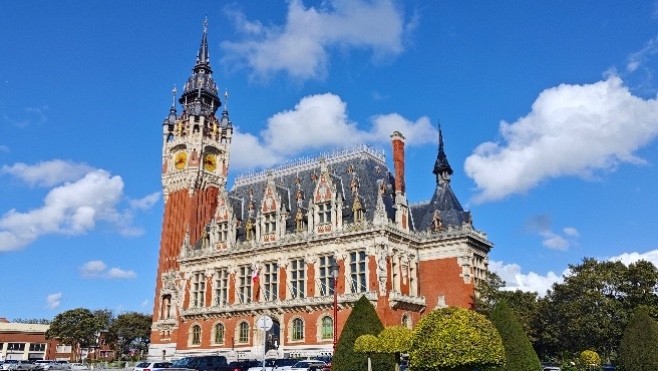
(173, 96)
(205, 24)
(226, 100)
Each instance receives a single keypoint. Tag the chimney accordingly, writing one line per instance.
(397, 140)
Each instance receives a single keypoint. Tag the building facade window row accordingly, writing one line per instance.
(296, 332)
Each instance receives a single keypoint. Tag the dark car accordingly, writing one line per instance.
(243, 365)
(203, 363)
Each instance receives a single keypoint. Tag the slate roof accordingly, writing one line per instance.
(361, 165)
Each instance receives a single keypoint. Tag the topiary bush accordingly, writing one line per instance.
(362, 320)
(455, 339)
(519, 353)
(639, 343)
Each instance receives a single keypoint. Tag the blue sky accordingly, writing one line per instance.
(548, 111)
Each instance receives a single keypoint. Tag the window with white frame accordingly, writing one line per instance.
(198, 290)
(324, 213)
(297, 278)
(223, 232)
(219, 333)
(243, 332)
(270, 223)
(37, 347)
(358, 271)
(244, 288)
(195, 335)
(221, 287)
(327, 330)
(297, 329)
(271, 281)
(325, 279)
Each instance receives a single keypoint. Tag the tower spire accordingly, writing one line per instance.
(200, 92)
(442, 168)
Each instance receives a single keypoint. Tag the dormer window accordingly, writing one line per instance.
(270, 223)
(357, 209)
(324, 213)
(222, 236)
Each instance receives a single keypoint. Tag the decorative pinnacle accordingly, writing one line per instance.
(173, 96)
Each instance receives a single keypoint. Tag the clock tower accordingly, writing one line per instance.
(195, 158)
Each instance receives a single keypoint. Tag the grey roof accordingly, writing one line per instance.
(360, 171)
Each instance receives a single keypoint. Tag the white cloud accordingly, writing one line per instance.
(300, 47)
(146, 202)
(320, 122)
(632, 257)
(541, 224)
(572, 130)
(120, 273)
(93, 268)
(639, 58)
(98, 269)
(87, 197)
(47, 173)
(530, 282)
(54, 300)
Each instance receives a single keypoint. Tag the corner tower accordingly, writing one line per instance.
(195, 158)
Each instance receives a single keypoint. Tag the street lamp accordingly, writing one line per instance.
(334, 275)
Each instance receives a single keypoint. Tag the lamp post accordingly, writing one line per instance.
(334, 274)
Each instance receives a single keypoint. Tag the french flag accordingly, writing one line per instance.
(256, 278)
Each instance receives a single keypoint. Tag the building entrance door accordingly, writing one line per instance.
(273, 336)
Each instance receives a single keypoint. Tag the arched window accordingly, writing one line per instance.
(406, 321)
(196, 335)
(243, 336)
(219, 333)
(327, 328)
(297, 329)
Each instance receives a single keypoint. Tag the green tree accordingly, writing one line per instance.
(131, 333)
(519, 354)
(368, 344)
(396, 340)
(455, 339)
(584, 312)
(590, 360)
(76, 327)
(362, 320)
(639, 343)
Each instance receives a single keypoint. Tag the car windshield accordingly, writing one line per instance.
(162, 365)
(285, 362)
(143, 365)
(183, 362)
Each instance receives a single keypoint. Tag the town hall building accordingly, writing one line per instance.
(267, 245)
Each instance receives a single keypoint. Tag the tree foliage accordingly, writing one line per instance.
(590, 360)
(455, 339)
(131, 332)
(367, 344)
(519, 354)
(76, 327)
(362, 320)
(395, 339)
(639, 343)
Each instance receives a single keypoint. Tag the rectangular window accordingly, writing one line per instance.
(325, 279)
(223, 232)
(271, 281)
(16, 347)
(37, 347)
(198, 290)
(244, 289)
(358, 271)
(297, 278)
(221, 287)
(324, 213)
(270, 223)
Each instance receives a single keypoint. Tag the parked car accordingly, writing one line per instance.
(23, 365)
(308, 365)
(275, 364)
(151, 366)
(244, 365)
(51, 365)
(201, 363)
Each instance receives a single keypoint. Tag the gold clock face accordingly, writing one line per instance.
(181, 160)
(210, 162)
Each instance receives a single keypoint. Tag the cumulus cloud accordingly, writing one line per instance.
(541, 224)
(86, 197)
(146, 202)
(46, 173)
(632, 257)
(572, 130)
(54, 300)
(98, 269)
(320, 122)
(300, 46)
(530, 282)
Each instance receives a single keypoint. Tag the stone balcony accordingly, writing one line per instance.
(397, 300)
(307, 304)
